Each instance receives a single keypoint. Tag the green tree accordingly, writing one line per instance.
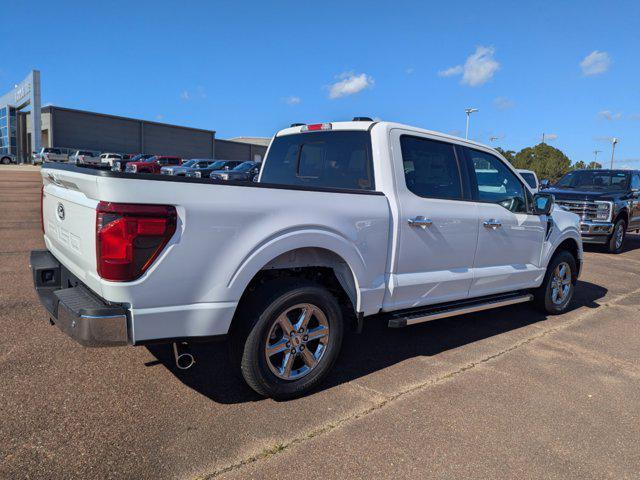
(579, 165)
(508, 154)
(594, 165)
(548, 162)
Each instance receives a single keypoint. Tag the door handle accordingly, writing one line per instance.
(492, 223)
(420, 221)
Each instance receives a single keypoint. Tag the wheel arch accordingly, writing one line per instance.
(305, 253)
(623, 213)
(570, 245)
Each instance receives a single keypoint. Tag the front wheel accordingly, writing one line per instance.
(556, 291)
(616, 241)
(288, 339)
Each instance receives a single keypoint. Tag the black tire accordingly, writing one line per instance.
(614, 243)
(6, 161)
(257, 317)
(543, 295)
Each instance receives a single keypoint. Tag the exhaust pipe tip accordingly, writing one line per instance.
(184, 361)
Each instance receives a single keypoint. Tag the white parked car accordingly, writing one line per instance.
(49, 154)
(347, 220)
(108, 158)
(86, 157)
(531, 178)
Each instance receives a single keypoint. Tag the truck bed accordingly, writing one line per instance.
(226, 232)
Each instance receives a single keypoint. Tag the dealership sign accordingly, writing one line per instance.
(22, 91)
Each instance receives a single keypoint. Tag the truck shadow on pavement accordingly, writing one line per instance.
(376, 348)
(631, 243)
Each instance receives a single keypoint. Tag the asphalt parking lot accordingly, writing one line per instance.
(500, 394)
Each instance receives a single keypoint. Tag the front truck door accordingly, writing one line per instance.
(634, 203)
(510, 239)
(435, 229)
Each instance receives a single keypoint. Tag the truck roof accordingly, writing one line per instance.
(366, 125)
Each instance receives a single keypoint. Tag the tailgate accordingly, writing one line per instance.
(69, 218)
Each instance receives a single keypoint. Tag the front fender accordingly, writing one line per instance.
(565, 226)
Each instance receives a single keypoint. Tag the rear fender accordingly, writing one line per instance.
(270, 254)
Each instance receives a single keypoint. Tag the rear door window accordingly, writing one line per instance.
(335, 159)
(430, 168)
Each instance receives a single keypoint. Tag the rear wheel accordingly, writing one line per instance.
(556, 292)
(288, 338)
(5, 160)
(616, 241)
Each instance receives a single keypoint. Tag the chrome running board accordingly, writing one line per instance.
(457, 308)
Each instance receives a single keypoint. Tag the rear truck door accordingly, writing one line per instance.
(436, 227)
(69, 221)
(510, 239)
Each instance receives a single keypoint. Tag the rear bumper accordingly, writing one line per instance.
(77, 311)
(595, 232)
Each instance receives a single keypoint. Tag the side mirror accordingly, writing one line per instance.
(544, 184)
(543, 203)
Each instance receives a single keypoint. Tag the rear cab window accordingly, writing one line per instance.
(339, 159)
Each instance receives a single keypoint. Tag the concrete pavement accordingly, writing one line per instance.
(507, 393)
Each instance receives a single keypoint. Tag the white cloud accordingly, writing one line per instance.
(634, 116)
(292, 100)
(609, 115)
(409, 71)
(159, 116)
(188, 95)
(595, 63)
(503, 103)
(550, 137)
(478, 69)
(451, 71)
(349, 84)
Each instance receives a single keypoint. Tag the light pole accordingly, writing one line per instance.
(468, 111)
(595, 155)
(614, 140)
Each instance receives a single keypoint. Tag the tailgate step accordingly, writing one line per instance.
(457, 308)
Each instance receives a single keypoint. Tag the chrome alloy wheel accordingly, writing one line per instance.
(297, 341)
(619, 233)
(561, 283)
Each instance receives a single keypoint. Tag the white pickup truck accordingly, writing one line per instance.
(347, 220)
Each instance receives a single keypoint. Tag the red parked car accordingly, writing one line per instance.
(152, 164)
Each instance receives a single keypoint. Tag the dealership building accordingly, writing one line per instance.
(21, 114)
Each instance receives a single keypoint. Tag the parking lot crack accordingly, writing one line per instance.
(388, 399)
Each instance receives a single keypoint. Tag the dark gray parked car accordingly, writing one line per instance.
(181, 170)
(217, 165)
(242, 173)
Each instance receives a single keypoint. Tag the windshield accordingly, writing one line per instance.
(594, 180)
(150, 159)
(530, 178)
(244, 167)
(188, 163)
(217, 165)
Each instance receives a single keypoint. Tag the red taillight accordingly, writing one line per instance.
(130, 237)
(315, 126)
(42, 208)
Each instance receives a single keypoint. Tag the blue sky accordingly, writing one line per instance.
(569, 69)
